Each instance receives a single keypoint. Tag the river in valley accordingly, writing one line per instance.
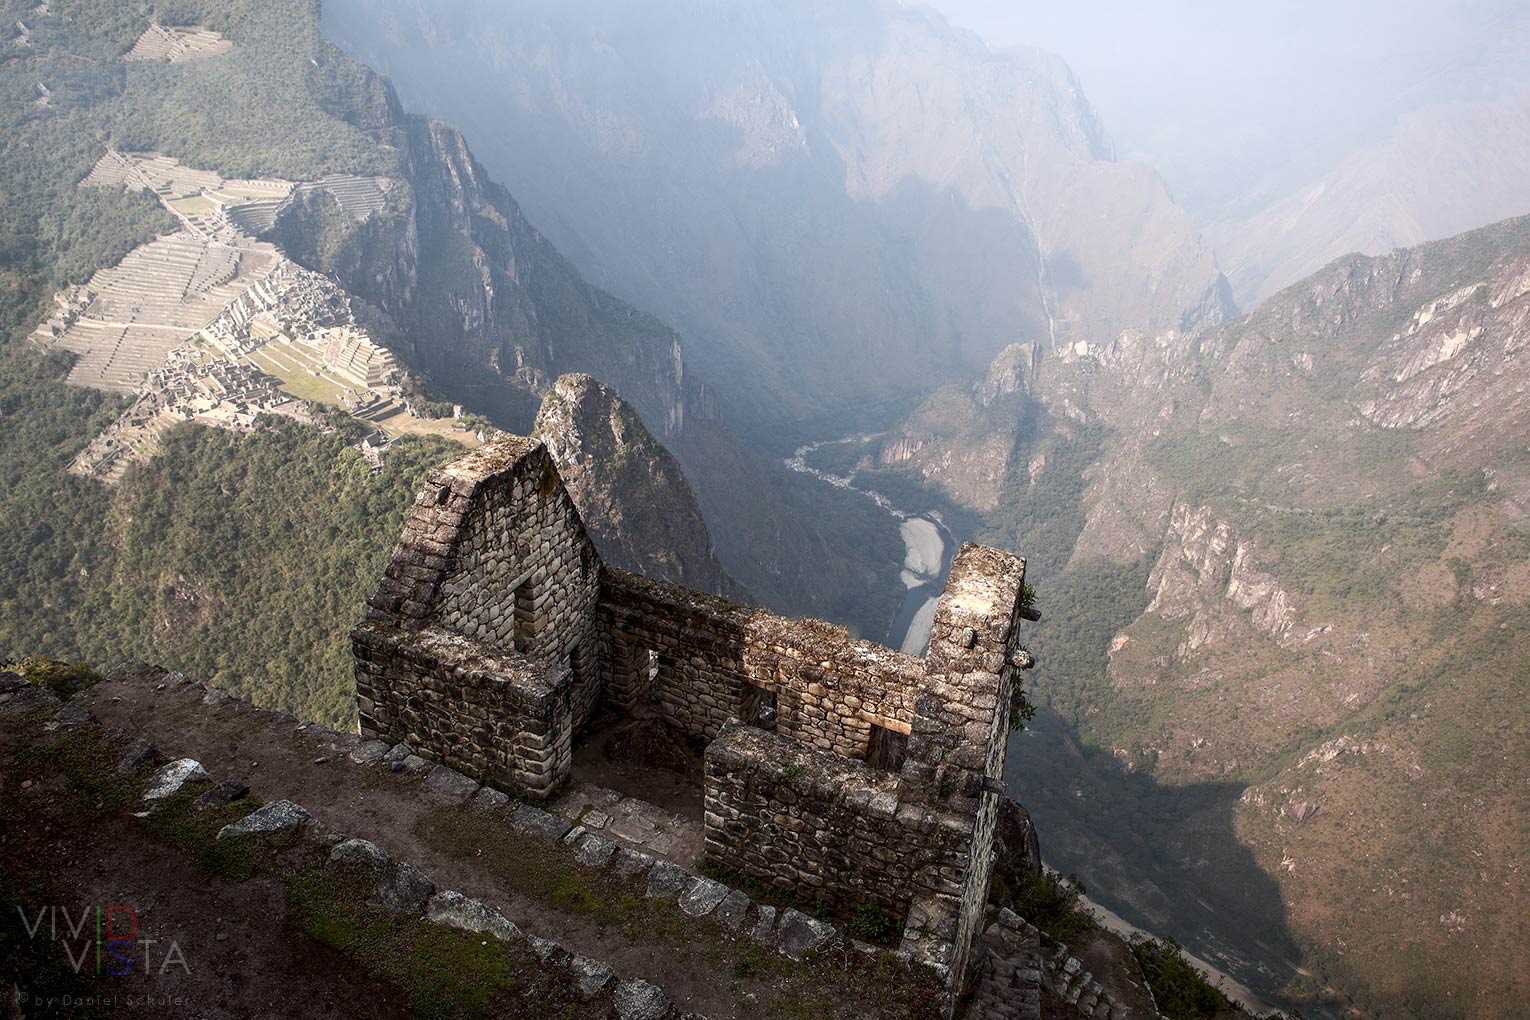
(928, 550)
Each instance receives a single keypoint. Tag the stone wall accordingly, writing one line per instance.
(499, 718)
(480, 646)
(704, 660)
(807, 822)
(835, 767)
(961, 735)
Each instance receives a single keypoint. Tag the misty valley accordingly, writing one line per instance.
(765, 509)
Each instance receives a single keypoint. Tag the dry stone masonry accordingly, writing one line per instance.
(834, 768)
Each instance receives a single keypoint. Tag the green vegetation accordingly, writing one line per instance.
(281, 103)
(870, 923)
(50, 232)
(1182, 992)
(1042, 521)
(62, 678)
(179, 824)
(1048, 900)
(445, 974)
(240, 559)
(821, 989)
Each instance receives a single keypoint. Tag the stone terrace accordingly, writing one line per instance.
(174, 44)
(833, 767)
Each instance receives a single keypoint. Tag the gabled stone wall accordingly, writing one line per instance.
(876, 778)
(480, 646)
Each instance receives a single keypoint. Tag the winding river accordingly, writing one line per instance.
(928, 549)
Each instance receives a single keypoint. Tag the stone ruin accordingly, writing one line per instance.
(833, 767)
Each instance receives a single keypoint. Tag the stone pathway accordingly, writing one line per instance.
(370, 791)
(633, 822)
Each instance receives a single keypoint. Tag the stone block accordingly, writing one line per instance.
(457, 911)
(137, 754)
(799, 935)
(369, 752)
(733, 910)
(403, 888)
(552, 954)
(594, 851)
(489, 799)
(361, 852)
(539, 825)
(224, 793)
(277, 816)
(169, 780)
(703, 897)
(639, 1000)
(632, 863)
(668, 881)
(764, 930)
(591, 977)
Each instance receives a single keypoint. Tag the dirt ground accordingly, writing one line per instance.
(236, 939)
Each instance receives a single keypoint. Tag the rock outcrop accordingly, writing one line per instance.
(631, 492)
(961, 437)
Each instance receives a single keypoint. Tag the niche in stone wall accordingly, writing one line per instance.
(525, 616)
(758, 707)
(886, 749)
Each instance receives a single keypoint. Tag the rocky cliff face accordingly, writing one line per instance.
(961, 437)
(837, 203)
(489, 309)
(629, 489)
(1314, 521)
(481, 303)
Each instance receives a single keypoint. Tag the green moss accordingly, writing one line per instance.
(1048, 901)
(870, 923)
(177, 823)
(62, 678)
(82, 755)
(445, 973)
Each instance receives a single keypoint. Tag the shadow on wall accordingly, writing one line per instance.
(1165, 858)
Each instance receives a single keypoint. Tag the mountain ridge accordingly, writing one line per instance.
(1309, 520)
(960, 211)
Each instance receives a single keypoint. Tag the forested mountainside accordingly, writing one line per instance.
(838, 204)
(1285, 564)
(446, 271)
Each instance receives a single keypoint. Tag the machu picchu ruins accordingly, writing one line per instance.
(176, 43)
(211, 325)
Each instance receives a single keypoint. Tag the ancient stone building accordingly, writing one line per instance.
(833, 767)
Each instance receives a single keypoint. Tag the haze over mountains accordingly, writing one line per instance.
(1279, 556)
(1306, 528)
(1298, 132)
(836, 204)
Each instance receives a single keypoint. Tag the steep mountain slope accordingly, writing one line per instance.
(630, 491)
(447, 272)
(1287, 592)
(481, 304)
(1401, 191)
(840, 204)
